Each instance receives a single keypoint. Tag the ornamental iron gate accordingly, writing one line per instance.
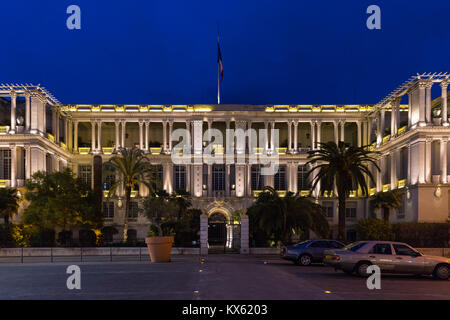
(223, 236)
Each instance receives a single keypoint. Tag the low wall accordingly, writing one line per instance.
(265, 251)
(70, 252)
(444, 252)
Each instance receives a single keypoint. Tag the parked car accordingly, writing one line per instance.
(391, 257)
(306, 252)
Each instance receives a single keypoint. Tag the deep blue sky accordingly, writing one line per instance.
(274, 52)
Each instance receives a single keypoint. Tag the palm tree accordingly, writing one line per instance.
(343, 167)
(282, 216)
(9, 202)
(386, 200)
(133, 169)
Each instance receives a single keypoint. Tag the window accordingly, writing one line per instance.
(257, 178)
(328, 209)
(108, 210)
(355, 246)
(157, 176)
(280, 178)
(401, 210)
(133, 210)
(302, 183)
(109, 179)
(218, 177)
(180, 178)
(336, 245)
(5, 164)
(85, 173)
(350, 210)
(381, 248)
(402, 250)
(232, 177)
(48, 163)
(319, 244)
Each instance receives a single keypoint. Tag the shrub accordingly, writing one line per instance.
(374, 229)
(87, 238)
(423, 234)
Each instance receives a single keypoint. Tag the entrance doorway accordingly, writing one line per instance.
(223, 236)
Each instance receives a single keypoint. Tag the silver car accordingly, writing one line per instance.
(390, 257)
(309, 251)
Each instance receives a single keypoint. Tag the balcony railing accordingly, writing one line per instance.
(107, 150)
(402, 130)
(4, 129)
(385, 187)
(353, 193)
(84, 150)
(51, 137)
(156, 150)
(3, 183)
(386, 138)
(304, 193)
(371, 191)
(401, 183)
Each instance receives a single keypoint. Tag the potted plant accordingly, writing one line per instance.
(161, 210)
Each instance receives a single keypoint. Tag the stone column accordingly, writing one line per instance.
(409, 164)
(393, 165)
(13, 95)
(54, 120)
(289, 148)
(227, 180)
(13, 166)
(117, 127)
(443, 143)
(210, 181)
(75, 136)
(204, 234)
(272, 134)
(147, 124)
(141, 135)
(249, 130)
(313, 138)
(319, 133)
(336, 131)
(444, 115)
(27, 111)
(382, 122)
(358, 127)
(428, 102)
(93, 135)
(164, 136)
(295, 137)
(27, 162)
(428, 161)
(99, 136)
(409, 109)
(422, 120)
(342, 130)
(244, 234)
(266, 127)
(170, 135)
(369, 131)
(393, 115)
(124, 130)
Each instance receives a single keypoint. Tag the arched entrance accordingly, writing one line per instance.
(223, 233)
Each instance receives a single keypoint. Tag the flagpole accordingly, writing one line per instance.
(218, 77)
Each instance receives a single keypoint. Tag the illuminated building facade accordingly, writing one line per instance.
(409, 127)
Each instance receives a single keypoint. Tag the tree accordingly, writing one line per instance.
(160, 208)
(133, 169)
(182, 201)
(386, 200)
(279, 217)
(59, 199)
(9, 203)
(342, 166)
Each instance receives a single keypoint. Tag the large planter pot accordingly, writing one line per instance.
(159, 248)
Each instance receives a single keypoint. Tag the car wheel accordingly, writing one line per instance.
(304, 260)
(361, 269)
(442, 272)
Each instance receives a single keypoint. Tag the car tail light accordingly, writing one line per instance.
(335, 258)
(286, 250)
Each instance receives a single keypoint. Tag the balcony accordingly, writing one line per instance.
(386, 138)
(63, 145)
(3, 183)
(281, 150)
(371, 191)
(353, 193)
(401, 183)
(107, 150)
(4, 129)
(51, 137)
(385, 188)
(402, 130)
(155, 150)
(84, 150)
(304, 193)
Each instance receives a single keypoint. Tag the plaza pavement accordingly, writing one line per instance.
(232, 277)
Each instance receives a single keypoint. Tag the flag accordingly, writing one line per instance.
(219, 60)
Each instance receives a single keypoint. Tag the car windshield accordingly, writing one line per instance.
(302, 244)
(355, 246)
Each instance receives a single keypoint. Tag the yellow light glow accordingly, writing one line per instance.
(401, 183)
(385, 188)
(84, 150)
(107, 150)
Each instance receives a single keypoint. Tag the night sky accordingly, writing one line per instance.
(274, 52)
